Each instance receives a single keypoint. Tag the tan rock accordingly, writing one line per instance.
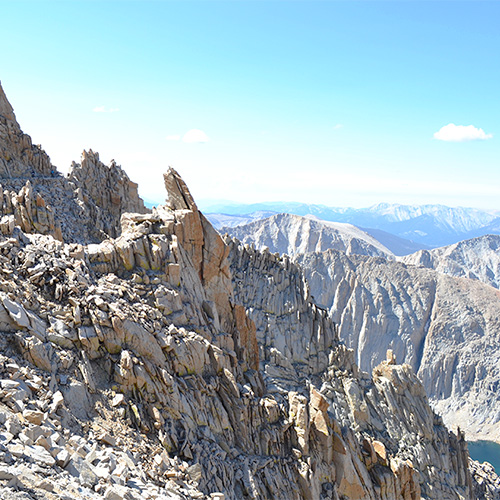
(33, 416)
(380, 451)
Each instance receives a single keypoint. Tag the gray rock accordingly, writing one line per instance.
(39, 455)
(82, 470)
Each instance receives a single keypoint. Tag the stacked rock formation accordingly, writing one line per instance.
(168, 363)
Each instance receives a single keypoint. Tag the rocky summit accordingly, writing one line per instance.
(143, 356)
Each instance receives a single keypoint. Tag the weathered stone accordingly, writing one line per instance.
(106, 438)
(80, 469)
(39, 455)
(34, 416)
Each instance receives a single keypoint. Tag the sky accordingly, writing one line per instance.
(341, 103)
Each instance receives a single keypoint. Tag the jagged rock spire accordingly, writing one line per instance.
(6, 110)
(19, 157)
(179, 197)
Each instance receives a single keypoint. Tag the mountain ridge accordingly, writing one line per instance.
(293, 234)
(429, 225)
(162, 361)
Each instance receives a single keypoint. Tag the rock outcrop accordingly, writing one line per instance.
(86, 206)
(106, 191)
(169, 363)
(18, 156)
(28, 211)
(293, 235)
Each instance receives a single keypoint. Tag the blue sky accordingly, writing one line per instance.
(332, 102)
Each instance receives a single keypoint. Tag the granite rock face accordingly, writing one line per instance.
(446, 328)
(477, 259)
(293, 235)
(170, 363)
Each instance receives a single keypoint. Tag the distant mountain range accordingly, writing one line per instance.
(293, 235)
(422, 226)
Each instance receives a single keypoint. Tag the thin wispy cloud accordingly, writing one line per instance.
(338, 126)
(461, 133)
(103, 109)
(195, 135)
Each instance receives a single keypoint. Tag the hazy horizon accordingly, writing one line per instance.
(204, 203)
(344, 104)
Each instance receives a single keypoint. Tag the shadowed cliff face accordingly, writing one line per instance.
(170, 363)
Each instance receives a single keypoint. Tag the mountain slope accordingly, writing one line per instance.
(398, 246)
(292, 234)
(477, 259)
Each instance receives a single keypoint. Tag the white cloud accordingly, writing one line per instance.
(461, 133)
(175, 137)
(195, 135)
(338, 126)
(103, 109)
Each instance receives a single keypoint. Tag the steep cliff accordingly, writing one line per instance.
(446, 328)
